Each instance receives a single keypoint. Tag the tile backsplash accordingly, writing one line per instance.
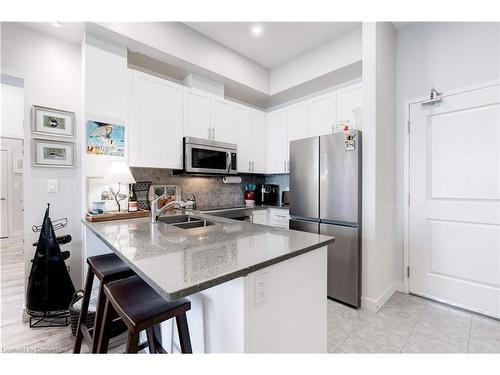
(209, 191)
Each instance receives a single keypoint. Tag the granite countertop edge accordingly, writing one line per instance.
(213, 282)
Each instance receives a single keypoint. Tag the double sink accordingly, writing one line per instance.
(186, 221)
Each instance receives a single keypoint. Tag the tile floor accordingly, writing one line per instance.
(404, 324)
(410, 324)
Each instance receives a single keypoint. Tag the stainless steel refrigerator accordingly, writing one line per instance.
(325, 197)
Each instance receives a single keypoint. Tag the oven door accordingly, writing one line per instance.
(208, 159)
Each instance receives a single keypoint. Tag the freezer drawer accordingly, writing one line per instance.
(304, 177)
(340, 179)
(344, 264)
(304, 226)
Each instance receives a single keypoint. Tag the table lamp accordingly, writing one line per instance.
(118, 172)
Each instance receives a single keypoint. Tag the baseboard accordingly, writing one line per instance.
(375, 304)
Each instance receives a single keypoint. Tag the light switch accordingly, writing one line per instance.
(52, 186)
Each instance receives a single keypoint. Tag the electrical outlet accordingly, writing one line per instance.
(261, 292)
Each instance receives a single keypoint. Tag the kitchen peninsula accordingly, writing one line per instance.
(253, 288)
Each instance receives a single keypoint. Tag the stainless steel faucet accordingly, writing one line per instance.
(155, 211)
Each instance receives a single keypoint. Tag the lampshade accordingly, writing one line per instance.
(119, 172)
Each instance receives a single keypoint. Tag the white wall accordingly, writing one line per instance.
(176, 39)
(51, 72)
(12, 107)
(378, 281)
(445, 56)
(336, 53)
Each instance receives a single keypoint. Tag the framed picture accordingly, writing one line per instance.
(48, 153)
(49, 122)
(17, 163)
(105, 139)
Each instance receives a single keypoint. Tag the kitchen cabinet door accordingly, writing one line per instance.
(297, 121)
(277, 141)
(155, 126)
(259, 141)
(196, 113)
(222, 119)
(349, 105)
(322, 114)
(242, 124)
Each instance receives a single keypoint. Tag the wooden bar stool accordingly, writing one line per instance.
(142, 308)
(106, 268)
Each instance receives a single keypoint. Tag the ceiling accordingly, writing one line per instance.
(69, 31)
(278, 42)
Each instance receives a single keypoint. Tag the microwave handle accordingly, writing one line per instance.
(228, 161)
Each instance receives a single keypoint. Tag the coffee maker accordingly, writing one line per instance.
(267, 194)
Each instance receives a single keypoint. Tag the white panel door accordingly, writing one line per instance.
(322, 114)
(259, 141)
(196, 113)
(454, 193)
(277, 141)
(222, 114)
(242, 119)
(349, 105)
(156, 122)
(4, 203)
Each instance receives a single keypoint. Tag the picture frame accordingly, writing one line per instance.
(53, 123)
(54, 154)
(105, 139)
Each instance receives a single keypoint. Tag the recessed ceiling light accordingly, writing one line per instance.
(256, 30)
(57, 24)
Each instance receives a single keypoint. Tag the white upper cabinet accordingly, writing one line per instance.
(222, 119)
(259, 141)
(322, 114)
(242, 123)
(156, 122)
(197, 113)
(349, 105)
(277, 141)
(297, 121)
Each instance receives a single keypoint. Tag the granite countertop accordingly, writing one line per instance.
(179, 262)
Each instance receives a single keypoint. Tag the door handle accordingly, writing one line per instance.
(3, 199)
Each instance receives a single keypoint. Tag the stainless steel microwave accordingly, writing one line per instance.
(209, 156)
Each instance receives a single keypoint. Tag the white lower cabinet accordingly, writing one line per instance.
(155, 122)
(274, 217)
(259, 217)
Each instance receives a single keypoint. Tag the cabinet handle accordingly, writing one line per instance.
(249, 166)
(209, 132)
(284, 163)
(252, 166)
(213, 133)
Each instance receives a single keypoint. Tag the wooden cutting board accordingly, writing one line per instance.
(115, 215)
